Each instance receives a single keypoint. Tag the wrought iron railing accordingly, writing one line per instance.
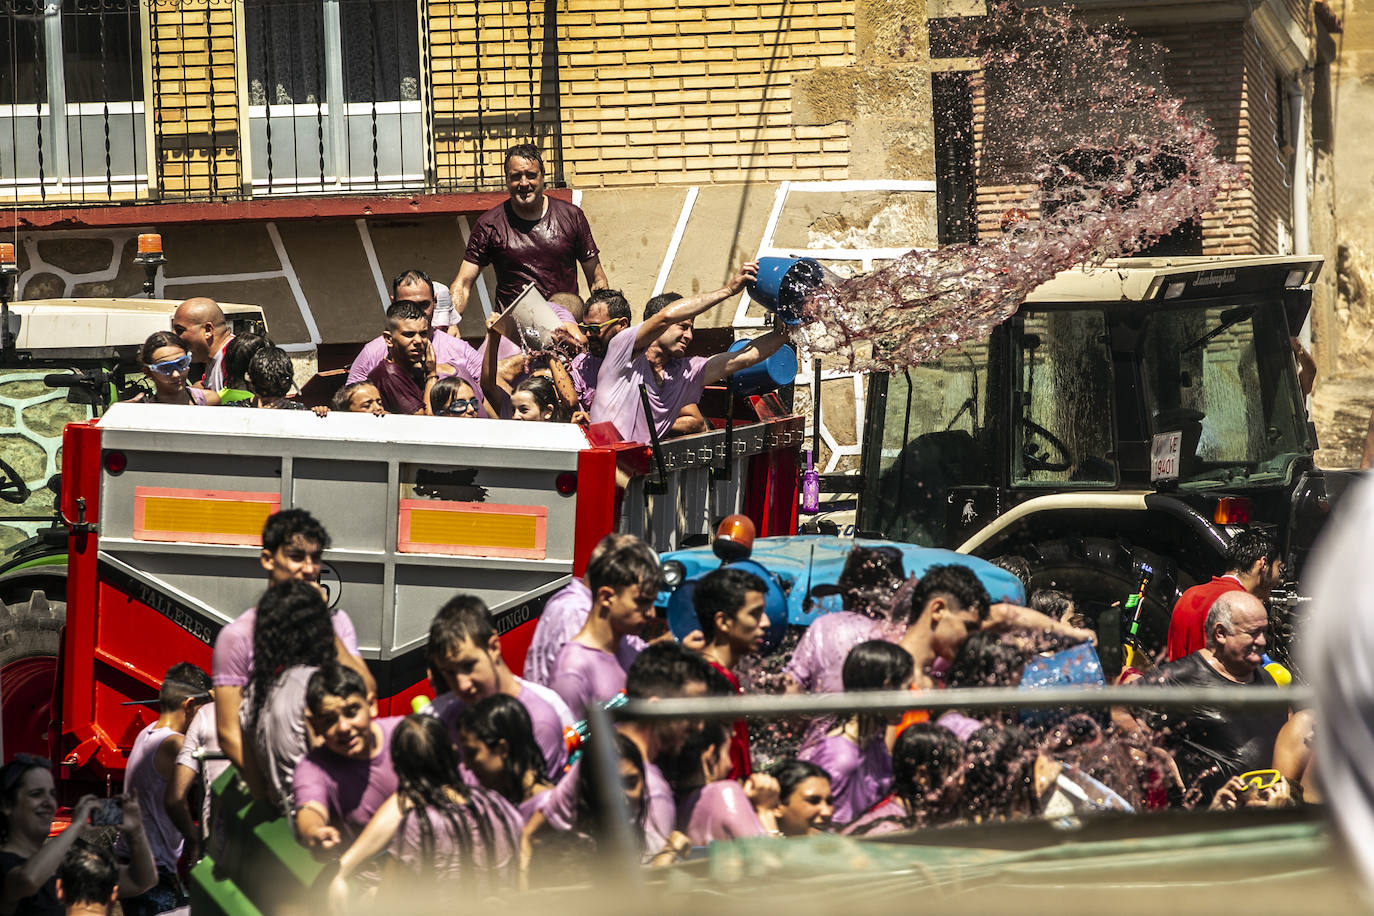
(112, 100)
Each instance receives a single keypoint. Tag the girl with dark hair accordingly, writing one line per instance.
(292, 637)
(927, 782)
(805, 806)
(29, 857)
(854, 751)
(167, 364)
(497, 740)
(454, 397)
(270, 377)
(536, 399)
(711, 805)
(435, 826)
(999, 774)
(238, 353)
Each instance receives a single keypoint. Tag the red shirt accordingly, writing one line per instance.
(1186, 634)
(740, 768)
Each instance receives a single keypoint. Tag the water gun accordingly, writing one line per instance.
(574, 736)
(1130, 646)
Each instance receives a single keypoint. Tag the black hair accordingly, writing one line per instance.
(427, 781)
(956, 582)
(403, 310)
(462, 618)
(183, 681)
(343, 398)
(524, 151)
(999, 774)
(156, 341)
(659, 303)
(442, 393)
(1051, 602)
(664, 669)
(502, 718)
(987, 659)
(630, 563)
(238, 354)
(617, 306)
(926, 758)
(285, 526)
(1016, 565)
(591, 806)
(545, 395)
(791, 773)
(88, 874)
(876, 665)
(1248, 548)
(723, 590)
(11, 777)
(269, 373)
(292, 628)
(414, 275)
(684, 770)
(334, 680)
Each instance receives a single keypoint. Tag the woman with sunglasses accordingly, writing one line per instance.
(454, 397)
(29, 858)
(167, 364)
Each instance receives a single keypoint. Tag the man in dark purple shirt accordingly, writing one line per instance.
(531, 238)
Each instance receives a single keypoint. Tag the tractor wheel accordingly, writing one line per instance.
(1097, 573)
(30, 640)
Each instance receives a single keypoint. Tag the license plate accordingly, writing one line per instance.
(1164, 449)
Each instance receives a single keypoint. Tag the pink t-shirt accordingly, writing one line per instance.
(548, 724)
(461, 850)
(141, 777)
(858, 778)
(889, 812)
(231, 665)
(583, 676)
(564, 616)
(718, 811)
(818, 659)
(559, 806)
(350, 790)
(617, 388)
(584, 369)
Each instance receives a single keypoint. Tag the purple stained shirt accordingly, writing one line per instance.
(718, 811)
(617, 388)
(584, 369)
(142, 778)
(858, 778)
(459, 850)
(819, 657)
(231, 665)
(548, 724)
(559, 806)
(889, 811)
(583, 675)
(350, 790)
(546, 251)
(447, 349)
(563, 618)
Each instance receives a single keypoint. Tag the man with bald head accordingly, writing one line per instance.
(202, 328)
(1212, 745)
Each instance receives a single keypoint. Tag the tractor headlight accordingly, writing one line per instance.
(673, 573)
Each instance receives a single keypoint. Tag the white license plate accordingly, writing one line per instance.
(1164, 449)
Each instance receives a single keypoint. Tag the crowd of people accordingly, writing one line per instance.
(592, 371)
(489, 783)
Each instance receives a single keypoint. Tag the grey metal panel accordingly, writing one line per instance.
(365, 599)
(226, 585)
(422, 590)
(349, 496)
(181, 470)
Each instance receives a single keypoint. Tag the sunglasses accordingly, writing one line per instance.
(1261, 779)
(171, 366)
(594, 330)
(459, 406)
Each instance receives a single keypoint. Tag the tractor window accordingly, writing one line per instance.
(1062, 432)
(933, 438)
(1224, 376)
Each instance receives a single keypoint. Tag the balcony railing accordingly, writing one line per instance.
(113, 100)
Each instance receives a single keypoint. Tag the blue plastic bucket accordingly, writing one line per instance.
(783, 283)
(776, 371)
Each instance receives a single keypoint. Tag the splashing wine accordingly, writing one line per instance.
(1116, 164)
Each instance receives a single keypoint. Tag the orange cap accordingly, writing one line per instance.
(734, 537)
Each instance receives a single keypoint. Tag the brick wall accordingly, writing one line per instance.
(697, 91)
(194, 94)
(1224, 78)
